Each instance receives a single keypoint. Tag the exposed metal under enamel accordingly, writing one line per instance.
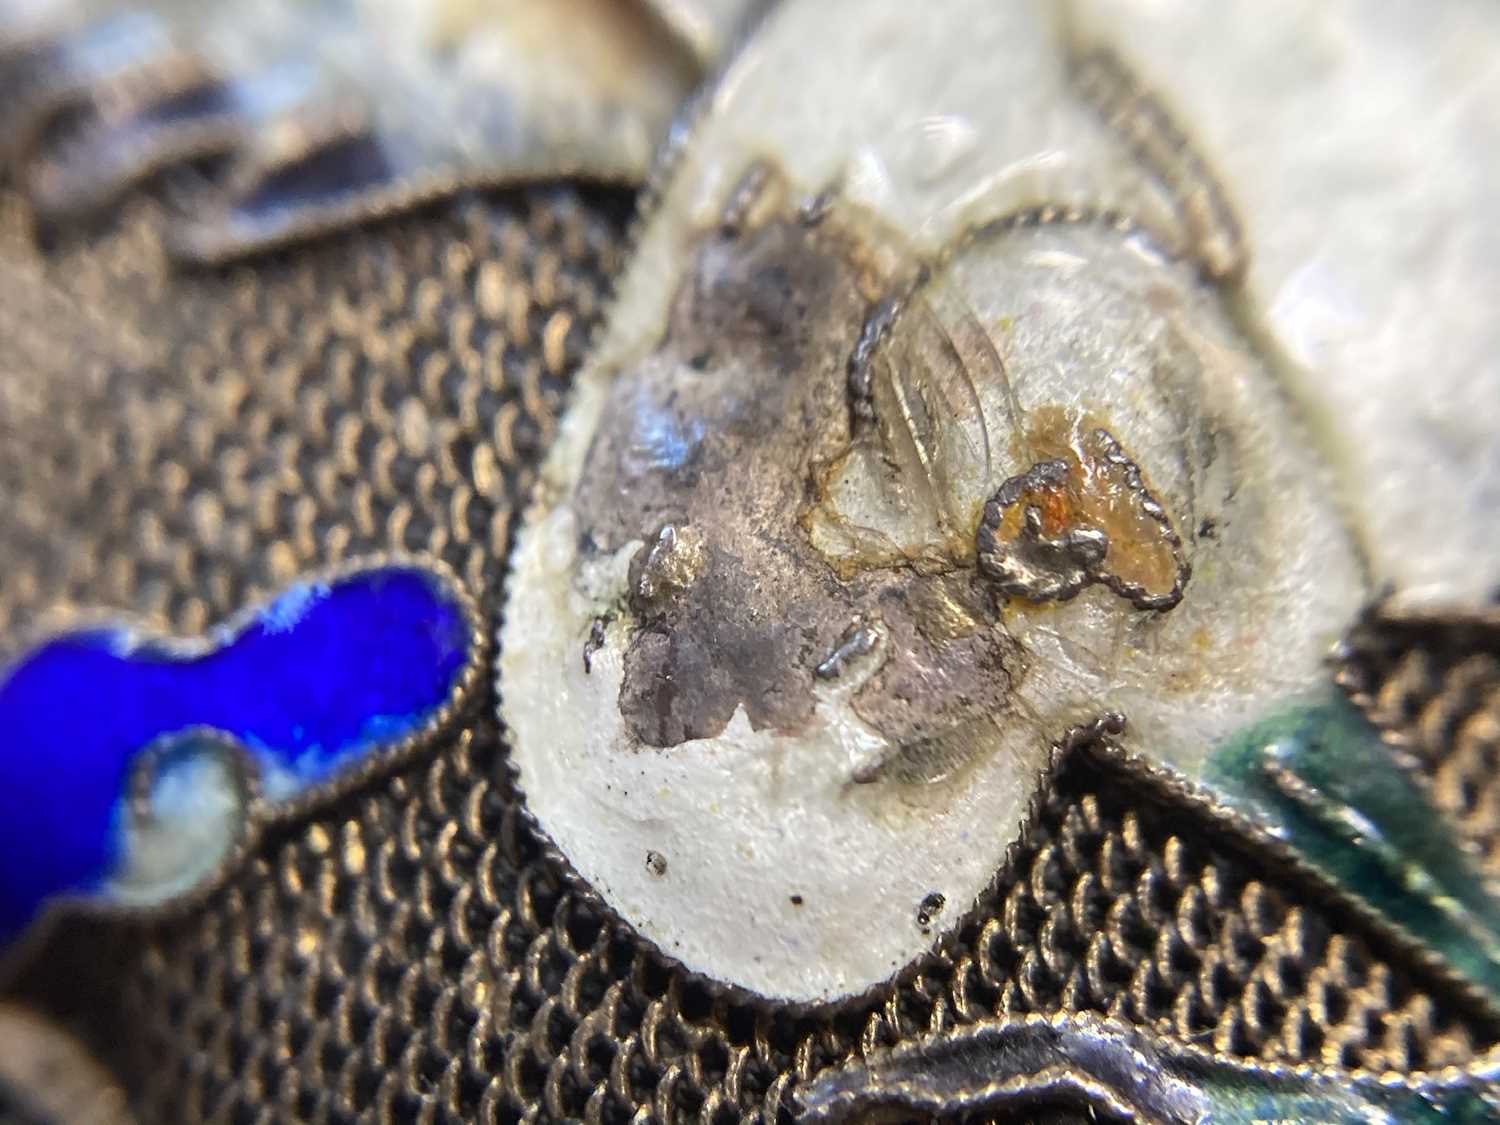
(946, 408)
(819, 691)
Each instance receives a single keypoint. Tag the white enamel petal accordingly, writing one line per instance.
(782, 875)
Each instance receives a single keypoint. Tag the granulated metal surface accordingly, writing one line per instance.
(175, 443)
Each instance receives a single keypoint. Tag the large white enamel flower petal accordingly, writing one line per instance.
(942, 410)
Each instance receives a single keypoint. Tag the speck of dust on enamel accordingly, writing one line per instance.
(942, 483)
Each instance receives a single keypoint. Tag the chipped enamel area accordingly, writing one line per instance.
(1365, 191)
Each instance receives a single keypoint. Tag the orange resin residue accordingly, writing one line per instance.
(1102, 489)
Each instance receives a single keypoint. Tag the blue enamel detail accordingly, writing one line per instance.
(325, 676)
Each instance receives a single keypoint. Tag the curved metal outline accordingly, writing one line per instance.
(201, 136)
(1128, 107)
(190, 241)
(1080, 740)
(1009, 494)
(261, 814)
(1072, 1079)
(1072, 740)
(1173, 787)
(690, 121)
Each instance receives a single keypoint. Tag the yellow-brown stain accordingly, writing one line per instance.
(1095, 493)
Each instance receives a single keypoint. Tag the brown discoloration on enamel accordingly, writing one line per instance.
(726, 429)
(1143, 551)
(717, 430)
(1081, 514)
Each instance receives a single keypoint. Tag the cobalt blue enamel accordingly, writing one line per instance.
(323, 677)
